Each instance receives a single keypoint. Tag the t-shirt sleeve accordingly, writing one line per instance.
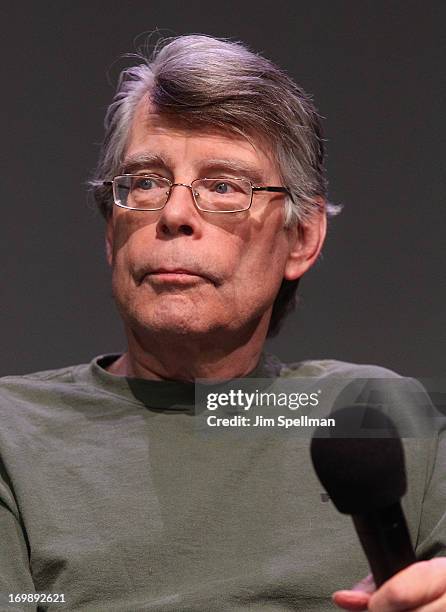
(408, 403)
(432, 532)
(422, 426)
(15, 573)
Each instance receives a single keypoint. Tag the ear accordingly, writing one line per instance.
(306, 240)
(109, 235)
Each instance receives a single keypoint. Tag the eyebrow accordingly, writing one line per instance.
(138, 161)
(235, 167)
(238, 167)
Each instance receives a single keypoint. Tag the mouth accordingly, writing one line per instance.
(175, 276)
(174, 271)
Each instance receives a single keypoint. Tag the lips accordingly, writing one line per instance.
(174, 271)
(177, 277)
(178, 274)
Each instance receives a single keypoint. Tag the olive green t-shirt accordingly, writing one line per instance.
(111, 500)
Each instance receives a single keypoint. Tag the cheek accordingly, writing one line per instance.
(257, 276)
(130, 250)
(262, 261)
(122, 264)
(130, 231)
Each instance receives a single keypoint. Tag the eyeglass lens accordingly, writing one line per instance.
(152, 193)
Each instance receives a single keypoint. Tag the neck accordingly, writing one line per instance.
(186, 359)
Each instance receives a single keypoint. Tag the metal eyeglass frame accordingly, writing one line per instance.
(254, 188)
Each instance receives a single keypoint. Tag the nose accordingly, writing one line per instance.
(180, 215)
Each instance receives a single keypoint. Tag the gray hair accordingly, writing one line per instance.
(207, 82)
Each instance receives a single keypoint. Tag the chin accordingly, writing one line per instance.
(175, 322)
(177, 328)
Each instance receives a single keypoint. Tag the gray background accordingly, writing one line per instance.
(377, 71)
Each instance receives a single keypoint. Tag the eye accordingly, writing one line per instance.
(223, 187)
(144, 183)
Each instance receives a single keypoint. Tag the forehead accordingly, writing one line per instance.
(175, 140)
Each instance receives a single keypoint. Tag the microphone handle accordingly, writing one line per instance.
(386, 541)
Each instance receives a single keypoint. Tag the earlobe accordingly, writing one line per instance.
(306, 240)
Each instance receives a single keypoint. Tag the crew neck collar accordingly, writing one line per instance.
(159, 394)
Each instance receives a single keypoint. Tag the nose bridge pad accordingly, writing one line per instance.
(193, 193)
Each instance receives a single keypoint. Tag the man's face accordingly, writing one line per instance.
(183, 271)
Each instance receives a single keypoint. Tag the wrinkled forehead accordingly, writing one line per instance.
(154, 120)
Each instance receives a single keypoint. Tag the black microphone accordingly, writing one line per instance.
(365, 477)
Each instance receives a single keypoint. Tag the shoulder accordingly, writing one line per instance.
(38, 394)
(404, 399)
(332, 368)
(59, 373)
(39, 380)
(363, 384)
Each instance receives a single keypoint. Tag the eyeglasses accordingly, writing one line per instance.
(214, 195)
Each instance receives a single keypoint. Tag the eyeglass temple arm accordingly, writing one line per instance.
(274, 189)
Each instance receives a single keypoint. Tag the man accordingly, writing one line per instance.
(211, 180)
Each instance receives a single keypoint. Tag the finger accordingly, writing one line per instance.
(351, 600)
(438, 605)
(357, 597)
(367, 585)
(417, 585)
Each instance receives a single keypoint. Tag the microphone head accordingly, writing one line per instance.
(360, 474)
